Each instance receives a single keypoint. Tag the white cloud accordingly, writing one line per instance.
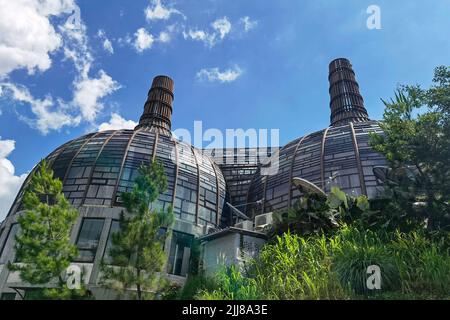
(10, 183)
(200, 35)
(88, 92)
(49, 116)
(221, 27)
(248, 23)
(215, 75)
(164, 37)
(143, 40)
(156, 11)
(107, 44)
(117, 122)
(27, 35)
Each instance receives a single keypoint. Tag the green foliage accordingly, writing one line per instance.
(43, 247)
(416, 142)
(231, 285)
(294, 267)
(357, 251)
(195, 284)
(137, 253)
(317, 214)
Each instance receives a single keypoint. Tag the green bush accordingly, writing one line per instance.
(357, 251)
(297, 268)
(194, 285)
(231, 285)
(293, 267)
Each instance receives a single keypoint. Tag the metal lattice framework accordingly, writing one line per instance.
(346, 102)
(336, 156)
(97, 168)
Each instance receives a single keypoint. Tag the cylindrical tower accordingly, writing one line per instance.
(346, 102)
(158, 107)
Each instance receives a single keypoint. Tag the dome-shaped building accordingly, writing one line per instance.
(97, 168)
(339, 155)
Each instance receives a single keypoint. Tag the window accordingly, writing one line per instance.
(88, 239)
(115, 225)
(180, 251)
(8, 245)
(8, 296)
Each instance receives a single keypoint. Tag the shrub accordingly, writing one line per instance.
(194, 285)
(357, 251)
(231, 285)
(298, 268)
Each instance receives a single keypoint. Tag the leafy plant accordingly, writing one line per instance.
(416, 143)
(231, 285)
(137, 253)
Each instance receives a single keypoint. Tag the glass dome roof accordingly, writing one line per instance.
(336, 156)
(96, 168)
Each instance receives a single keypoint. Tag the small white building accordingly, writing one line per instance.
(230, 246)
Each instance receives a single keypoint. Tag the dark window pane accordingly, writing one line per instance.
(10, 240)
(88, 239)
(180, 249)
(114, 228)
(8, 296)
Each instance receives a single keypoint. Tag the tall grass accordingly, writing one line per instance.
(335, 267)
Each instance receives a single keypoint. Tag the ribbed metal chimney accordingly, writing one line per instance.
(158, 107)
(346, 102)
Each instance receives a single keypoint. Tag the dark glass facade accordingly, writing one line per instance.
(96, 169)
(337, 156)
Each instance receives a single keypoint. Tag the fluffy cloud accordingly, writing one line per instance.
(49, 116)
(117, 122)
(221, 27)
(215, 75)
(143, 40)
(156, 11)
(10, 183)
(27, 35)
(248, 23)
(107, 44)
(89, 91)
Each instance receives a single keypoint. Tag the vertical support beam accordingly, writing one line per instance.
(122, 165)
(291, 170)
(95, 164)
(217, 190)
(322, 159)
(155, 145)
(358, 160)
(198, 184)
(100, 251)
(175, 145)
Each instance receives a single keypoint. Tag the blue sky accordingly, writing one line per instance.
(265, 64)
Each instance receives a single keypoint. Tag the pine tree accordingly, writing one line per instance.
(43, 248)
(137, 254)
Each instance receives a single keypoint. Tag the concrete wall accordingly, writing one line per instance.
(91, 270)
(231, 249)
